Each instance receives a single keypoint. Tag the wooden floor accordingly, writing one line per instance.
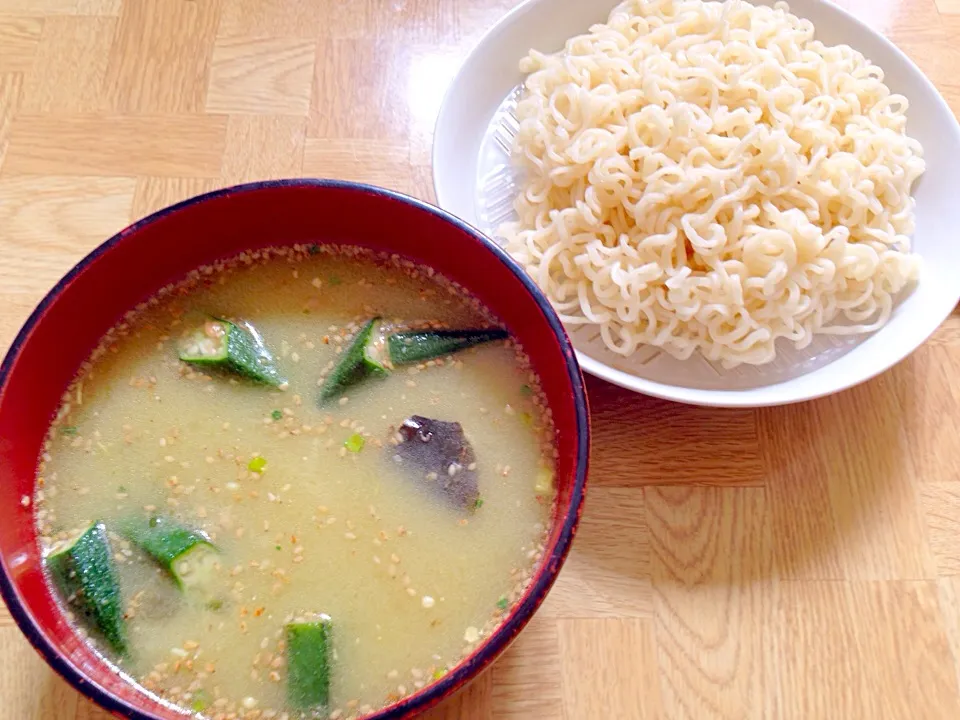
(799, 563)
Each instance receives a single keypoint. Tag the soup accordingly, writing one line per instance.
(301, 483)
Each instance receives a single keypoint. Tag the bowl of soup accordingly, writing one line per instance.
(294, 449)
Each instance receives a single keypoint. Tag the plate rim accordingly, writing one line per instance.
(770, 395)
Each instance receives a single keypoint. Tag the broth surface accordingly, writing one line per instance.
(408, 579)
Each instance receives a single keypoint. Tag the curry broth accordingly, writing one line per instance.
(408, 580)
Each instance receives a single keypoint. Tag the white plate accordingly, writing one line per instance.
(474, 180)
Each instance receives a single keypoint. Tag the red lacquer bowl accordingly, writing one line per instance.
(162, 248)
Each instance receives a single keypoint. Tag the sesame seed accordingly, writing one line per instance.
(427, 602)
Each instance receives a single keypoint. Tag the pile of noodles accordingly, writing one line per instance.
(706, 176)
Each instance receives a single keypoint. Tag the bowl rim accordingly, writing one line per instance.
(469, 667)
(765, 395)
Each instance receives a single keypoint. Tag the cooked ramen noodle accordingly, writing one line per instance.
(706, 176)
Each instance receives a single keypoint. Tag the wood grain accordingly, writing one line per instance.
(623, 648)
(19, 37)
(371, 161)
(843, 460)
(940, 503)
(527, 680)
(714, 585)
(70, 67)
(51, 222)
(155, 193)
(356, 94)
(273, 18)
(796, 563)
(669, 443)
(261, 75)
(608, 572)
(948, 7)
(175, 145)
(38, 8)
(949, 596)
(24, 689)
(10, 94)
(473, 703)
(99, 7)
(862, 649)
(263, 147)
(899, 21)
(415, 20)
(160, 61)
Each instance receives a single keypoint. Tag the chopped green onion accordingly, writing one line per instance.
(544, 484)
(215, 604)
(69, 430)
(354, 443)
(526, 390)
(257, 464)
(313, 248)
(121, 488)
(200, 701)
(437, 674)
(335, 280)
(278, 547)
(277, 415)
(502, 602)
(478, 503)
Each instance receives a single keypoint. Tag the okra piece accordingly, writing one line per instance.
(186, 553)
(359, 362)
(85, 574)
(308, 661)
(413, 346)
(232, 348)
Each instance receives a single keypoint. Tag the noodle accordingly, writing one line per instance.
(706, 176)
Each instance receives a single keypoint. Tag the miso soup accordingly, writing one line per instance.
(302, 483)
